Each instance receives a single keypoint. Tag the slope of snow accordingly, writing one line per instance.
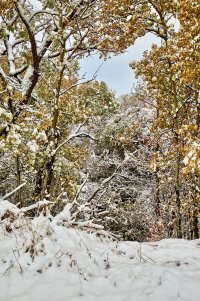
(46, 259)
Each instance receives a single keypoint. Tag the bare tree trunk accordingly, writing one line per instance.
(38, 184)
(177, 159)
(49, 176)
(18, 174)
(157, 196)
(195, 221)
(196, 178)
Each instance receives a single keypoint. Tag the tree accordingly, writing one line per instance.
(174, 85)
(40, 99)
(171, 76)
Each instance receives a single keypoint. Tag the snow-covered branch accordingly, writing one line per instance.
(7, 195)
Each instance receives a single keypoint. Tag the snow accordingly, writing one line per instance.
(32, 145)
(129, 18)
(45, 258)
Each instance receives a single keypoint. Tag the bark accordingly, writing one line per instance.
(195, 220)
(38, 184)
(18, 175)
(177, 159)
(196, 178)
(157, 196)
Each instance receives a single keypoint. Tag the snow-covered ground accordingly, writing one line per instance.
(46, 259)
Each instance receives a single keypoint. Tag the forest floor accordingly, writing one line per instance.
(46, 259)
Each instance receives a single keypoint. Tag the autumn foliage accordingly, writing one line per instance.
(53, 124)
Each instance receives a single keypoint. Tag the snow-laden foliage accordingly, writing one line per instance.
(61, 135)
(117, 189)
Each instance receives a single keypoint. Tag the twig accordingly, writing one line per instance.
(17, 261)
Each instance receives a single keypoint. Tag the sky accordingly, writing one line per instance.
(116, 71)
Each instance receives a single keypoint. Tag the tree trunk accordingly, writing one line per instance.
(195, 221)
(177, 160)
(38, 184)
(157, 196)
(18, 174)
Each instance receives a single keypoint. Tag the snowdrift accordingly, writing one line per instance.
(46, 258)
